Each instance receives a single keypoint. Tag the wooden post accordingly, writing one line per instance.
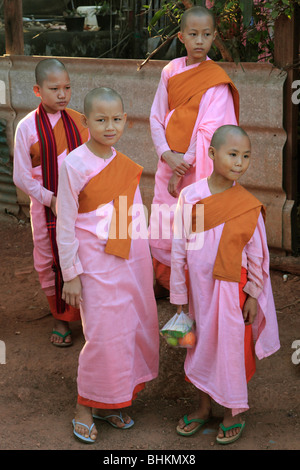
(13, 21)
(286, 50)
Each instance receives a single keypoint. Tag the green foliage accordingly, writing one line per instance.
(103, 8)
(245, 28)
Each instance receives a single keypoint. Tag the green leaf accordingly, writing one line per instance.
(156, 17)
(247, 8)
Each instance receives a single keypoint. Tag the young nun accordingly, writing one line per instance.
(230, 296)
(194, 97)
(43, 139)
(107, 269)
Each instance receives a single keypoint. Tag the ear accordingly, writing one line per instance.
(125, 117)
(211, 152)
(83, 120)
(215, 34)
(180, 37)
(36, 90)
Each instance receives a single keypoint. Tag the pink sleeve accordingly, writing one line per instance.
(216, 109)
(254, 252)
(178, 288)
(159, 110)
(22, 173)
(69, 185)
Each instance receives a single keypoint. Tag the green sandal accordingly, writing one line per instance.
(188, 421)
(63, 344)
(229, 440)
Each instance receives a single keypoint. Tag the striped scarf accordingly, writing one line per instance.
(49, 165)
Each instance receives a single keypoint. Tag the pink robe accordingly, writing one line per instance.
(216, 109)
(118, 308)
(217, 365)
(30, 181)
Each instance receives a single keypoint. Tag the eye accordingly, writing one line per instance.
(232, 154)
(246, 156)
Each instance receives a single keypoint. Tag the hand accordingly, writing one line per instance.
(176, 162)
(53, 205)
(250, 310)
(181, 308)
(173, 183)
(71, 292)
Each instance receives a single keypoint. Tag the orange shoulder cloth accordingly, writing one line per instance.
(60, 137)
(117, 182)
(185, 91)
(238, 210)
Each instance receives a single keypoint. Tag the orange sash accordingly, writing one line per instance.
(119, 178)
(239, 210)
(185, 91)
(60, 137)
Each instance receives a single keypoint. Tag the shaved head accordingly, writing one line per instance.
(102, 93)
(47, 66)
(196, 11)
(220, 135)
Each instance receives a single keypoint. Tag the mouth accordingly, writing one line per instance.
(62, 103)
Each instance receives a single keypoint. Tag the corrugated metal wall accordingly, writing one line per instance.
(261, 91)
(8, 194)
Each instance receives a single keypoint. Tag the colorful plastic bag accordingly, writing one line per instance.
(179, 331)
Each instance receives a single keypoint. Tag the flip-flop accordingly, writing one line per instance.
(63, 336)
(229, 440)
(200, 422)
(87, 440)
(106, 418)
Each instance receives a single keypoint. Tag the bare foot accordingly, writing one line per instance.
(230, 420)
(115, 420)
(84, 415)
(61, 327)
(201, 413)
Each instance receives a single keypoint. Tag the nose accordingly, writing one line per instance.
(110, 124)
(199, 39)
(61, 93)
(239, 161)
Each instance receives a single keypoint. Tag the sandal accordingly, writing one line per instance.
(63, 336)
(87, 440)
(106, 418)
(229, 440)
(200, 422)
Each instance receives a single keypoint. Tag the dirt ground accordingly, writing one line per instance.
(38, 380)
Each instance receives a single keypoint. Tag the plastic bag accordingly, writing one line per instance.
(179, 331)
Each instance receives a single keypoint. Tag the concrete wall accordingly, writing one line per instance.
(261, 114)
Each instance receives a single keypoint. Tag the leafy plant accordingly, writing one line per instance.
(72, 11)
(244, 27)
(103, 8)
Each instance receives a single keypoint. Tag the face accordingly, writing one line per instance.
(232, 158)
(106, 122)
(197, 36)
(55, 91)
